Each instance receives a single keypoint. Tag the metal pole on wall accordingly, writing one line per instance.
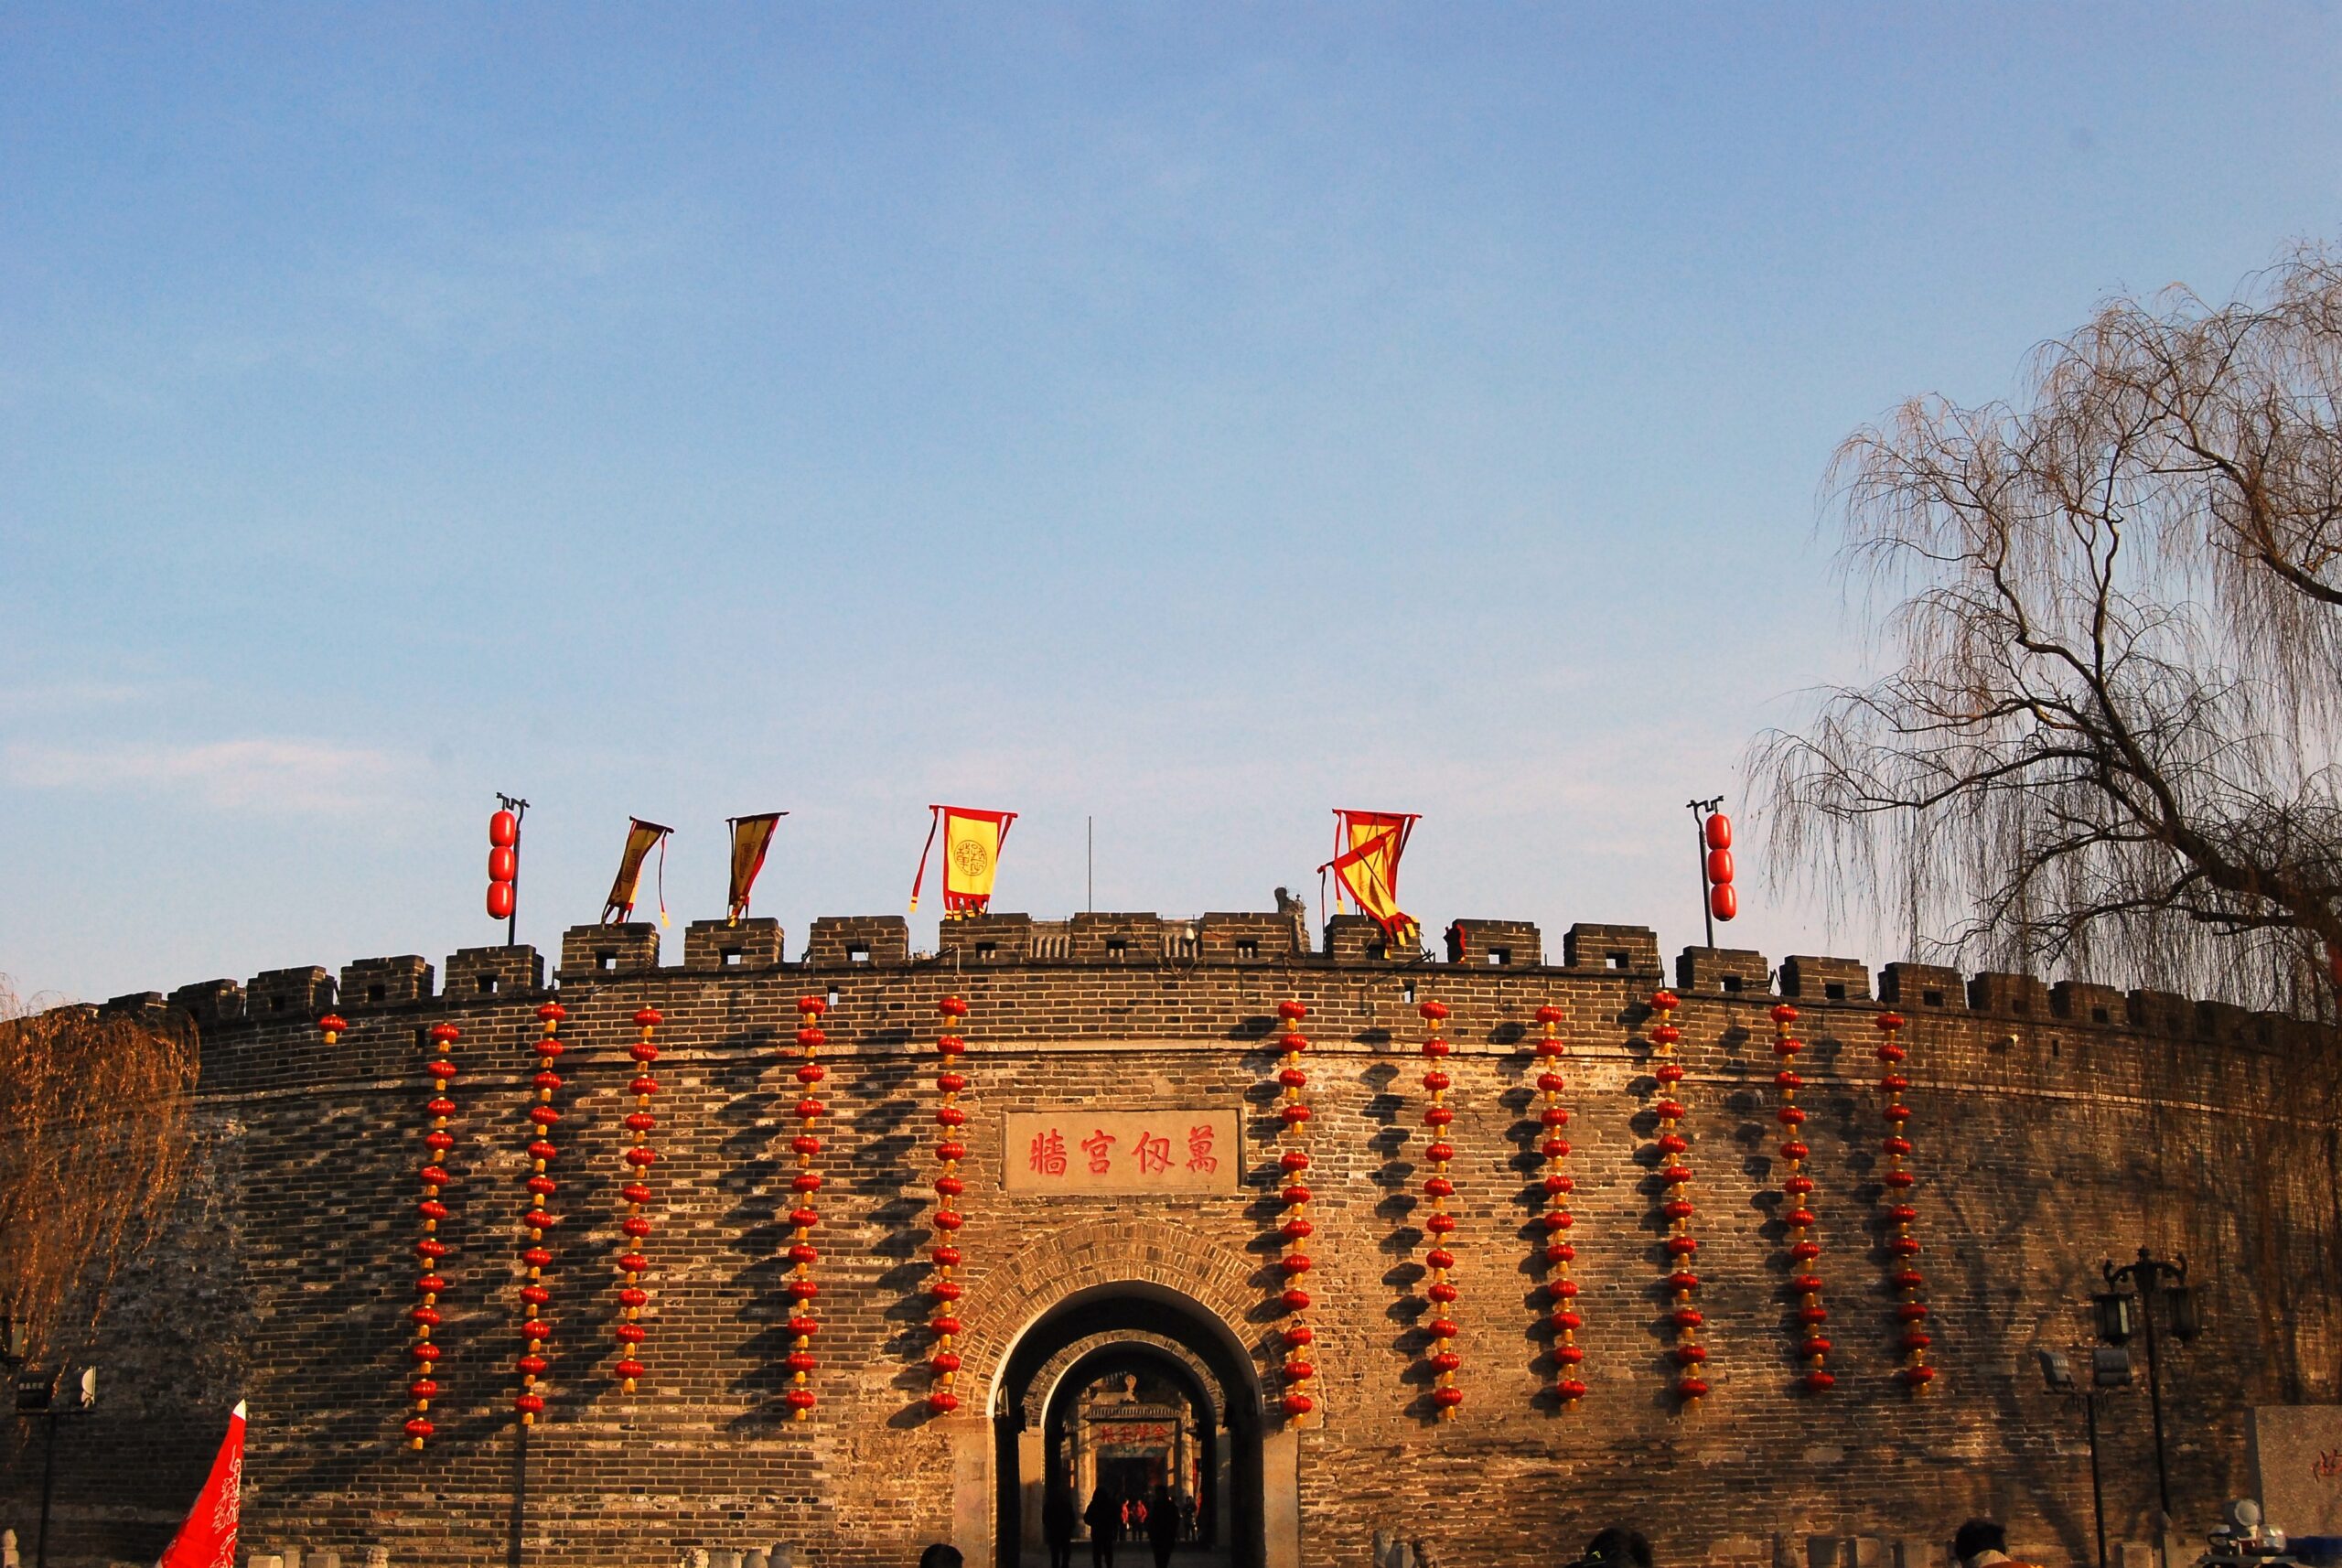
(1700, 809)
(2097, 1487)
(1089, 876)
(48, 1490)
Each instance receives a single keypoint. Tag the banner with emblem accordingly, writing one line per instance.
(971, 840)
(639, 836)
(1367, 847)
(751, 836)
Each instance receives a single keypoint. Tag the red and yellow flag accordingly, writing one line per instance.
(971, 841)
(208, 1537)
(639, 836)
(1367, 847)
(751, 836)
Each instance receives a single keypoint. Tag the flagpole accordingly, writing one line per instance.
(48, 1490)
(1090, 877)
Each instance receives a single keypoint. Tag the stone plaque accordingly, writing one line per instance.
(2295, 1452)
(1085, 1152)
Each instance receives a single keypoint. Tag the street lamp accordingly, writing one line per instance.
(2120, 1314)
(2110, 1369)
(37, 1396)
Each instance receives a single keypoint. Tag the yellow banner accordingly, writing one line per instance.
(751, 836)
(639, 836)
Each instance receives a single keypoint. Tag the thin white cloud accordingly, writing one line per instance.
(72, 696)
(226, 774)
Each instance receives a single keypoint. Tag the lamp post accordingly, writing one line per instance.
(2120, 1314)
(2110, 1369)
(37, 1396)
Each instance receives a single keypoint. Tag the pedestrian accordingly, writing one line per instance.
(1617, 1547)
(1104, 1517)
(1163, 1526)
(1135, 1515)
(1187, 1517)
(940, 1556)
(1982, 1543)
(1059, 1519)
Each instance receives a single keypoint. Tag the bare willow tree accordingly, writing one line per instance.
(97, 1108)
(2109, 618)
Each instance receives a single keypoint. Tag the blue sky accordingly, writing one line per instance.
(1193, 416)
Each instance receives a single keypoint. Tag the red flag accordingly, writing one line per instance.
(208, 1538)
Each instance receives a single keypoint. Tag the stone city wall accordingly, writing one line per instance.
(2055, 1127)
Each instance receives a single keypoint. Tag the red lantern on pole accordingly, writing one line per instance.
(1720, 900)
(807, 1182)
(636, 1227)
(1295, 1228)
(944, 1363)
(536, 1333)
(504, 862)
(428, 1249)
(1560, 1290)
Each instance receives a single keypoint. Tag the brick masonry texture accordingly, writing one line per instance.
(2047, 1141)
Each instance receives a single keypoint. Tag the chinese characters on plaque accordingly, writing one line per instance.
(1078, 1151)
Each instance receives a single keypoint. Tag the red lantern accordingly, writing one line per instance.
(1676, 1206)
(946, 1219)
(1294, 1230)
(1797, 1187)
(1438, 1188)
(534, 1296)
(1897, 1181)
(803, 1218)
(1560, 1289)
(635, 1226)
(1724, 902)
(429, 1247)
(503, 865)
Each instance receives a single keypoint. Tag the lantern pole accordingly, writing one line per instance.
(520, 810)
(1701, 810)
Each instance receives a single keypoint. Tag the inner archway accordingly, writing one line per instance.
(1121, 1384)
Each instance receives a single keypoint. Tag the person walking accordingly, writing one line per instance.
(1982, 1543)
(1104, 1517)
(1163, 1526)
(1059, 1519)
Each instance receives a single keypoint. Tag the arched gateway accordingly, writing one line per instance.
(1125, 1367)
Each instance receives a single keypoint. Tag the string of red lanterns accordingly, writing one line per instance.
(635, 1226)
(1560, 1251)
(802, 1324)
(1292, 1122)
(1439, 1187)
(535, 1330)
(947, 1292)
(1690, 1356)
(433, 1208)
(1797, 1188)
(1902, 1247)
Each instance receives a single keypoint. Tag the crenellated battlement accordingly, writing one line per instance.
(749, 947)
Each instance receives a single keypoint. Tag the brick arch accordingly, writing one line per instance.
(1045, 1381)
(1099, 1254)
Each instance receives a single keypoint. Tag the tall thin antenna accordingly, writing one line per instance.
(1089, 876)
